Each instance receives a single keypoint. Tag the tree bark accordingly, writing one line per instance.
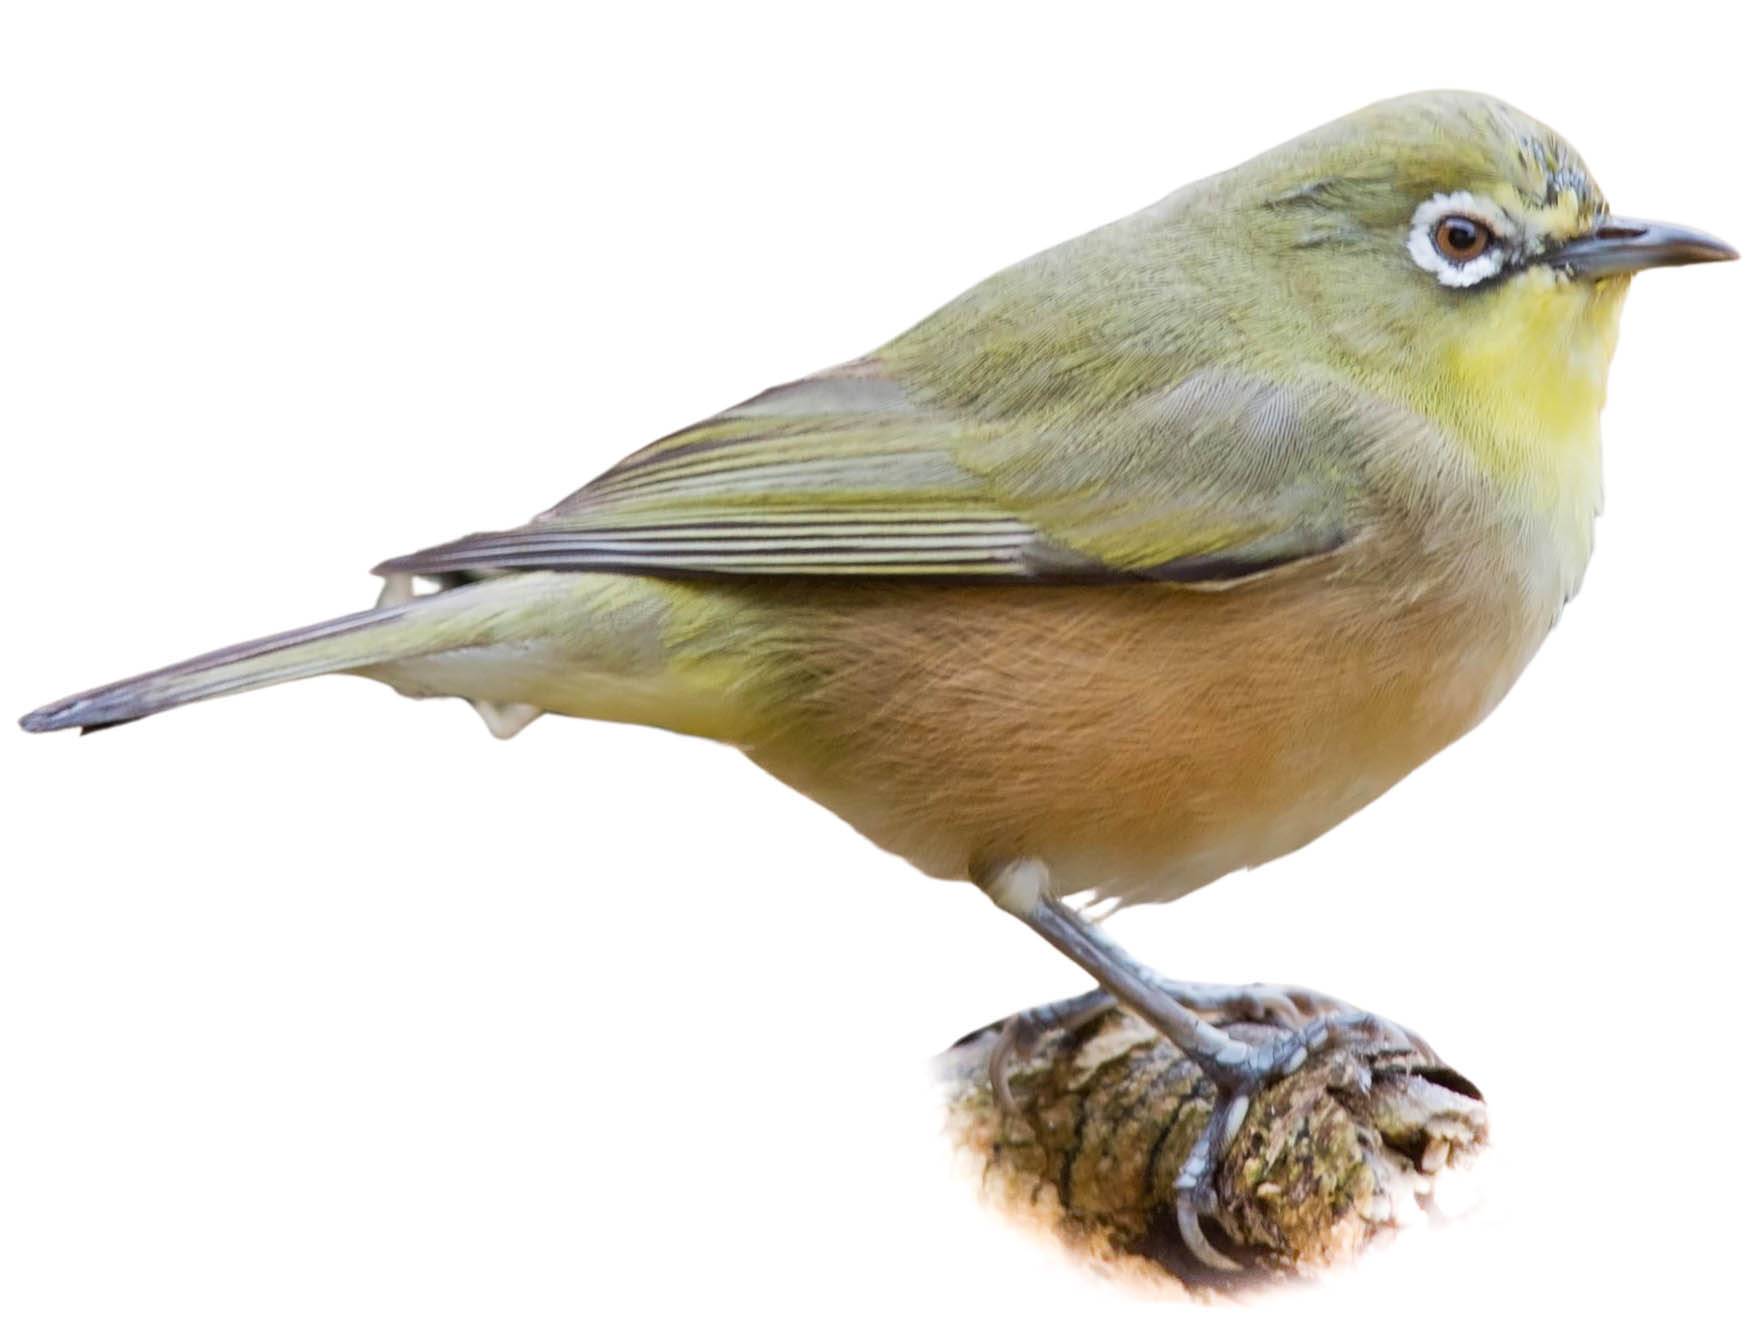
(1328, 1158)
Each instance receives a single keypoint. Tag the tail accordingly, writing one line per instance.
(474, 615)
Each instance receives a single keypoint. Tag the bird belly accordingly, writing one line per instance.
(1140, 740)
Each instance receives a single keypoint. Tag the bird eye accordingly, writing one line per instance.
(1460, 238)
(1463, 240)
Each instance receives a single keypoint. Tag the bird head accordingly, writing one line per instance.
(1448, 248)
(1442, 250)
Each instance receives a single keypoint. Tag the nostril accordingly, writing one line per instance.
(1620, 231)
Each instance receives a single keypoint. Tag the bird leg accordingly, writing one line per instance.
(1238, 1070)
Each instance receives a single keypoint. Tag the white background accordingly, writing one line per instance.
(324, 1002)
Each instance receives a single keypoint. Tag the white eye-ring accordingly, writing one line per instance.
(1459, 238)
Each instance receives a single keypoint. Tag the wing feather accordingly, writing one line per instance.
(846, 475)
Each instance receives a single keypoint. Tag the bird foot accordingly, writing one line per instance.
(1307, 1025)
(1283, 1005)
(1243, 1072)
(1343, 1151)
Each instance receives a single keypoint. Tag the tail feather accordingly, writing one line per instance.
(404, 630)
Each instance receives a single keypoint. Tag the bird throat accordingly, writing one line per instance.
(1524, 391)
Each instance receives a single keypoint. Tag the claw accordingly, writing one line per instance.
(1190, 1229)
(1000, 1060)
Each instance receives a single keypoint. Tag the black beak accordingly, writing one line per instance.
(1622, 247)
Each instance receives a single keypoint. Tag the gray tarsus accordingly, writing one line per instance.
(1312, 1023)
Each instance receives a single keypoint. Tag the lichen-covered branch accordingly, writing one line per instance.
(1328, 1157)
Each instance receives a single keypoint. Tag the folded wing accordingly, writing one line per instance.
(850, 474)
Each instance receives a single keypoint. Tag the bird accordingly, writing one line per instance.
(1146, 560)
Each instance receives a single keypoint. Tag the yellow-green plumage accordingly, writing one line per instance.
(1153, 556)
